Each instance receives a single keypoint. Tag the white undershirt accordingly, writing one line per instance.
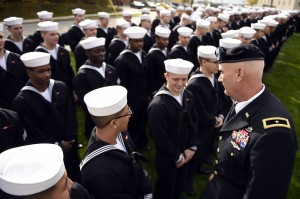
(19, 44)
(3, 62)
(101, 70)
(53, 52)
(212, 80)
(104, 29)
(138, 54)
(46, 95)
(119, 145)
(240, 105)
(149, 33)
(164, 51)
(179, 99)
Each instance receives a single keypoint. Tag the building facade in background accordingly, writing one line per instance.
(280, 4)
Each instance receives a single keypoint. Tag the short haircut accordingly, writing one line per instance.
(101, 121)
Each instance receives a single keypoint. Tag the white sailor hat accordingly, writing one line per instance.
(44, 14)
(48, 26)
(106, 101)
(135, 32)
(88, 23)
(217, 10)
(178, 66)
(165, 12)
(200, 9)
(201, 23)
(230, 34)
(92, 42)
(272, 23)
(247, 32)
(35, 59)
(145, 10)
(207, 52)
(31, 169)
(258, 26)
(1, 27)
(180, 8)
(237, 12)
(188, 8)
(223, 16)
(172, 10)
(281, 16)
(103, 15)
(10, 21)
(229, 43)
(195, 16)
(185, 31)
(159, 8)
(211, 19)
(244, 11)
(195, 5)
(269, 22)
(185, 16)
(209, 8)
(162, 32)
(145, 17)
(122, 23)
(126, 13)
(78, 11)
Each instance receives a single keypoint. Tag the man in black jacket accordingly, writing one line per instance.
(75, 33)
(60, 61)
(108, 169)
(131, 66)
(94, 73)
(173, 122)
(46, 110)
(257, 138)
(204, 86)
(16, 42)
(156, 57)
(89, 28)
(12, 74)
(181, 50)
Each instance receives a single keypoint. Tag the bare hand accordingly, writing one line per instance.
(219, 123)
(75, 97)
(67, 145)
(188, 154)
(211, 177)
(180, 164)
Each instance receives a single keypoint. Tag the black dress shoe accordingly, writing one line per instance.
(203, 170)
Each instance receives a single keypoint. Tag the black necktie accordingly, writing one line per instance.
(232, 111)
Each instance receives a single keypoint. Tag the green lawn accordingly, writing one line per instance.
(283, 80)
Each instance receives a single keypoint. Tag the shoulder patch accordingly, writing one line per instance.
(276, 122)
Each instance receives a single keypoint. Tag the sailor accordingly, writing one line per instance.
(16, 42)
(94, 73)
(172, 118)
(108, 169)
(46, 110)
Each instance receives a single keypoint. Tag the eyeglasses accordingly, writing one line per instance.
(212, 61)
(128, 114)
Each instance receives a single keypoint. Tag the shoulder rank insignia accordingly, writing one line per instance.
(276, 122)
